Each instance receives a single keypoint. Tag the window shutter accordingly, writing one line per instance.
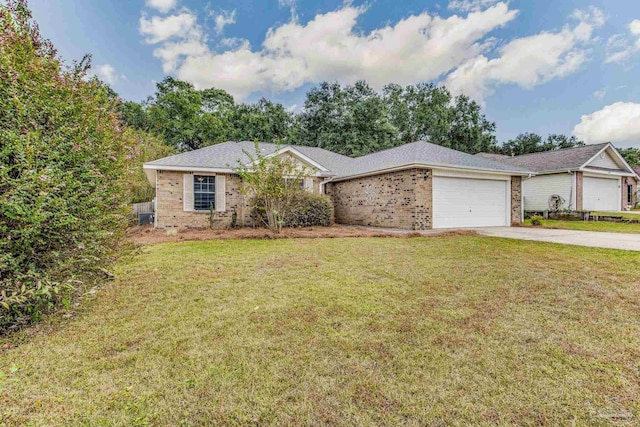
(308, 184)
(187, 192)
(221, 193)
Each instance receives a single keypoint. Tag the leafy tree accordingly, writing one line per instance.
(469, 130)
(135, 115)
(186, 118)
(559, 141)
(272, 183)
(631, 155)
(355, 120)
(526, 143)
(350, 120)
(145, 147)
(262, 121)
(428, 112)
(63, 195)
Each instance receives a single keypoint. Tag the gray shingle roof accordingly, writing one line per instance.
(226, 156)
(492, 156)
(557, 160)
(428, 154)
(636, 169)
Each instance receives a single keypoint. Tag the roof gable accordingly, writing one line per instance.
(609, 159)
(298, 159)
(557, 160)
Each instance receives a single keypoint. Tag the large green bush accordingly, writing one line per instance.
(310, 210)
(63, 153)
(303, 210)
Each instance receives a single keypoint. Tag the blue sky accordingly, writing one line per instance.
(545, 66)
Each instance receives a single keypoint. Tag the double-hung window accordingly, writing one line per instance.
(293, 183)
(204, 192)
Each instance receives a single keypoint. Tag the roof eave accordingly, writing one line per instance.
(171, 168)
(432, 166)
(604, 172)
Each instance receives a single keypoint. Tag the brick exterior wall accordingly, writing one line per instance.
(395, 200)
(579, 192)
(516, 200)
(400, 199)
(170, 211)
(634, 192)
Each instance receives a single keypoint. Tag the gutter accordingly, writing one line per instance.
(434, 166)
(324, 183)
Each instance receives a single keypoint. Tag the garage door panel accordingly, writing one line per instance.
(464, 202)
(601, 194)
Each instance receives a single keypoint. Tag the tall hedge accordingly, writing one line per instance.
(62, 173)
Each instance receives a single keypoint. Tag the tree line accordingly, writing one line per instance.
(353, 120)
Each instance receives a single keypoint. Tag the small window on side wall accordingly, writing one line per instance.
(629, 194)
(204, 192)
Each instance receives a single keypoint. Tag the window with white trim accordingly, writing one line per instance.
(294, 182)
(204, 192)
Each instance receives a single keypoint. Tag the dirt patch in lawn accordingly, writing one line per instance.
(147, 235)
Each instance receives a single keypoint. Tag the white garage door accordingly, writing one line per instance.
(463, 202)
(601, 194)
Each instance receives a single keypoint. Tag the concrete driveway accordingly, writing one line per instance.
(596, 239)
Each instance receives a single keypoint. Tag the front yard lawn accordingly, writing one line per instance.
(628, 215)
(459, 330)
(612, 227)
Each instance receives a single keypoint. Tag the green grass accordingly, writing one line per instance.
(622, 214)
(612, 227)
(424, 331)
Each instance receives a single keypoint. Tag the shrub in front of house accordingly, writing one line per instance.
(536, 220)
(310, 210)
(303, 210)
(63, 194)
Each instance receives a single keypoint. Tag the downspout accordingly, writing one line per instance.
(323, 183)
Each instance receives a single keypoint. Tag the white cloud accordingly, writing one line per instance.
(171, 53)
(619, 48)
(618, 123)
(592, 15)
(600, 93)
(224, 19)
(528, 61)
(159, 29)
(291, 4)
(107, 73)
(329, 47)
(163, 6)
(470, 5)
(634, 28)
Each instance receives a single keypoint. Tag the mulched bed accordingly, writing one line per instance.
(146, 235)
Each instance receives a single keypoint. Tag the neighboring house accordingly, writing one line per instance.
(636, 169)
(591, 177)
(415, 186)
